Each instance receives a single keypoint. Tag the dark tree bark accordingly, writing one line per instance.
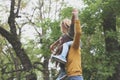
(111, 43)
(46, 71)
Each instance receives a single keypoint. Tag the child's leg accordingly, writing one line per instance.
(62, 67)
(62, 72)
(62, 57)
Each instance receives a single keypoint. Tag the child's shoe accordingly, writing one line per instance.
(59, 58)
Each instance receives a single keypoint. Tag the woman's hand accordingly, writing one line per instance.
(75, 13)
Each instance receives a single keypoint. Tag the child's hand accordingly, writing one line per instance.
(51, 48)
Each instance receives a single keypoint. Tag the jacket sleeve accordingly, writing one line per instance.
(77, 35)
(71, 29)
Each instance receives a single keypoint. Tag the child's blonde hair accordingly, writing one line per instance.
(66, 24)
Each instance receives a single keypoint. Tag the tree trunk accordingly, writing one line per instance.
(46, 69)
(111, 43)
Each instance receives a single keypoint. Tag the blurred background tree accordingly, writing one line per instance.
(101, 40)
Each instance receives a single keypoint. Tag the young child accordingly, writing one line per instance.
(67, 36)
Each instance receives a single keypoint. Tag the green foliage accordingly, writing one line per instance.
(55, 31)
(6, 62)
(66, 12)
(95, 62)
(113, 4)
(51, 32)
(32, 49)
(97, 65)
(92, 17)
(93, 56)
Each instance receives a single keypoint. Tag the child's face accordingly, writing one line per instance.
(64, 29)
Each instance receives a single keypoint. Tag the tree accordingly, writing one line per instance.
(15, 41)
(101, 35)
(111, 37)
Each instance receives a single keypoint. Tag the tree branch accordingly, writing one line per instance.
(11, 19)
(17, 46)
(5, 33)
(16, 15)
